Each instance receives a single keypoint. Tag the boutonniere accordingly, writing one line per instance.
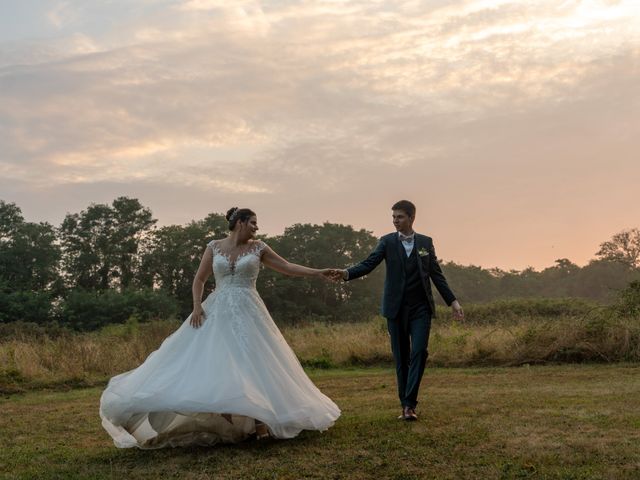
(423, 252)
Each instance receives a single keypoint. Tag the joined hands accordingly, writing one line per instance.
(333, 274)
(338, 274)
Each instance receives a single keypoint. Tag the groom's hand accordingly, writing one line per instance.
(332, 274)
(340, 274)
(458, 313)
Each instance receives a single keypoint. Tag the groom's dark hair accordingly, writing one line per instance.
(406, 206)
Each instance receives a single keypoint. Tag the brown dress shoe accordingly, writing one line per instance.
(411, 415)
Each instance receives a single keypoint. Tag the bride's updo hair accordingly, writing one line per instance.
(235, 215)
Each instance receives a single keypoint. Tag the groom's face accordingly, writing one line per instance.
(402, 221)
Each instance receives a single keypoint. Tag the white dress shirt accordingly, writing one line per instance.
(408, 242)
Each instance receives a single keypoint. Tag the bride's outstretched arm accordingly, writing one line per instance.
(274, 261)
(204, 272)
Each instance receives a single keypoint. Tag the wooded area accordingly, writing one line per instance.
(109, 263)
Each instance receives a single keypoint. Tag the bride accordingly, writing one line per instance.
(227, 373)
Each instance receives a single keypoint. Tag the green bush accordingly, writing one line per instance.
(25, 305)
(91, 310)
(628, 304)
(501, 311)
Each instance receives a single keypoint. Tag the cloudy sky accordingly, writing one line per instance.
(514, 126)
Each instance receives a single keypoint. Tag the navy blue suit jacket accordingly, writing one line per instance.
(391, 250)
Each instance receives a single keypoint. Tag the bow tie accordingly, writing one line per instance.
(406, 238)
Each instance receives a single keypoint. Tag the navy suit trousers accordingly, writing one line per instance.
(409, 333)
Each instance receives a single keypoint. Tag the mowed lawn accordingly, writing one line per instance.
(570, 422)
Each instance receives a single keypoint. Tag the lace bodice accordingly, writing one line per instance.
(239, 272)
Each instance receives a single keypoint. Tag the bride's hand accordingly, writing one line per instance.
(197, 317)
(332, 274)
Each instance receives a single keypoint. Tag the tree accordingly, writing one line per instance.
(101, 244)
(29, 276)
(29, 254)
(329, 245)
(10, 220)
(30, 261)
(628, 303)
(564, 267)
(556, 281)
(600, 279)
(623, 247)
(173, 254)
(132, 222)
(471, 283)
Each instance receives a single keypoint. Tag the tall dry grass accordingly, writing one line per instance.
(31, 359)
(452, 344)
(77, 358)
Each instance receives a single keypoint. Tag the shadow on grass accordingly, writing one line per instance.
(211, 455)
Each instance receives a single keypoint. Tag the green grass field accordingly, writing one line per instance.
(569, 422)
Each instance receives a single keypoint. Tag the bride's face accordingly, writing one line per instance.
(250, 228)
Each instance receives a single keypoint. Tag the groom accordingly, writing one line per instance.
(407, 303)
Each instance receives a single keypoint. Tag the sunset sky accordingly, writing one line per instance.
(514, 126)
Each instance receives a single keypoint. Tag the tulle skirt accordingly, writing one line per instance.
(209, 385)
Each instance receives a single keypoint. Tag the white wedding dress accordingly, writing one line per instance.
(237, 363)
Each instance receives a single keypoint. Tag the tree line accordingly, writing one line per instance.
(109, 263)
